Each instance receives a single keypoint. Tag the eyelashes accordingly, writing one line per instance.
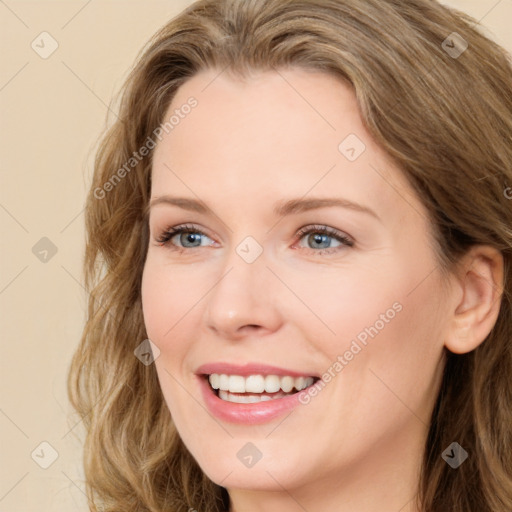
(170, 233)
(325, 232)
(322, 233)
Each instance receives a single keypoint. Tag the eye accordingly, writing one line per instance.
(320, 237)
(186, 234)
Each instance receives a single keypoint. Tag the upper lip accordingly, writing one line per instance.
(249, 369)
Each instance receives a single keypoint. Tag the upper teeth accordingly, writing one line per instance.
(258, 383)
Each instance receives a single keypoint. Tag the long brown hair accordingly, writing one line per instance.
(444, 118)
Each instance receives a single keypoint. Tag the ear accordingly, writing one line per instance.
(480, 282)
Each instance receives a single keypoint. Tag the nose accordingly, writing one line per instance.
(244, 301)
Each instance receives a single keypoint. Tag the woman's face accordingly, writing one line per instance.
(310, 259)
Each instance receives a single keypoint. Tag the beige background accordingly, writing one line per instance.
(53, 111)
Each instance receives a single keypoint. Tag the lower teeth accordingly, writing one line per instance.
(246, 398)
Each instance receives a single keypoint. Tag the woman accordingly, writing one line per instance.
(299, 262)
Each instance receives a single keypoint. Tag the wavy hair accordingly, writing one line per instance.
(446, 122)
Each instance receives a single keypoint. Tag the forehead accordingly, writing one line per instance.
(289, 132)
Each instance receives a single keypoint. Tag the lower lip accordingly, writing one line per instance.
(247, 414)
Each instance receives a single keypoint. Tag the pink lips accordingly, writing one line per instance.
(248, 414)
(247, 369)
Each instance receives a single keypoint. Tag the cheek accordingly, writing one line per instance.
(154, 301)
(388, 333)
(394, 375)
(334, 306)
(168, 298)
(164, 308)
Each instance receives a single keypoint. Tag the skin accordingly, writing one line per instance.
(249, 144)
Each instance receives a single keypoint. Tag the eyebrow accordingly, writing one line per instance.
(281, 209)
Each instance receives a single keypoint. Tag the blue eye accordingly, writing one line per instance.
(323, 236)
(187, 234)
(319, 236)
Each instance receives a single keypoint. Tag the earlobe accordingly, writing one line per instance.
(480, 279)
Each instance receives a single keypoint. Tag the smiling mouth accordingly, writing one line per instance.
(256, 388)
